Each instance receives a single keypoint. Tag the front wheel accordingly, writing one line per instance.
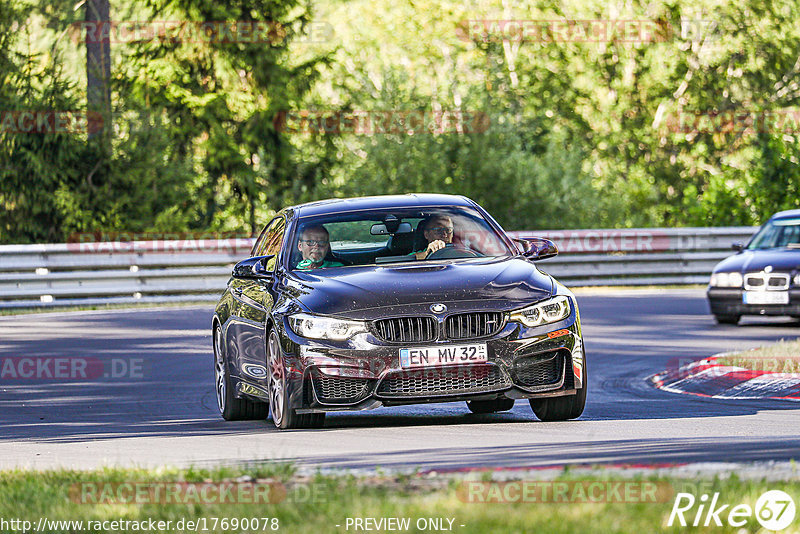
(283, 416)
(562, 408)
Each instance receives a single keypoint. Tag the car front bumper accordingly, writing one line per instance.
(730, 302)
(365, 372)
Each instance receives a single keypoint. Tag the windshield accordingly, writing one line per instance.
(782, 233)
(393, 236)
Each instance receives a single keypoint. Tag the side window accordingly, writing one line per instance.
(270, 242)
(259, 244)
(791, 235)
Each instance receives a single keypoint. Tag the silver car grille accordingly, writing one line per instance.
(766, 281)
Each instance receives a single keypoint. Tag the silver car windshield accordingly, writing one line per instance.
(781, 233)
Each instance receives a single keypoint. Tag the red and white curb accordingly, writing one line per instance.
(707, 378)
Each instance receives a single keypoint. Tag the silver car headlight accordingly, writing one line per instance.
(726, 280)
(316, 327)
(549, 311)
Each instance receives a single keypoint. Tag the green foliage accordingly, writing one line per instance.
(581, 134)
(519, 187)
(322, 503)
(34, 166)
(219, 98)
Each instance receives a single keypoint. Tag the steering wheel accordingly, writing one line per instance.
(452, 250)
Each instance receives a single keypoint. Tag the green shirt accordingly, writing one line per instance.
(307, 265)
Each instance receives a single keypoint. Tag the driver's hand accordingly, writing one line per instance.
(433, 246)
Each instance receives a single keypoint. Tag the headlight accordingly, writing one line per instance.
(726, 280)
(549, 311)
(315, 327)
(797, 279)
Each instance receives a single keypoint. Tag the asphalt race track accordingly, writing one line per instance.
(157, 405)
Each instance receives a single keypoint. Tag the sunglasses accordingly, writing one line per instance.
(442, 230)
(314, 242)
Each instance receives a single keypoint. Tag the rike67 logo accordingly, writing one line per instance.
(774, 510)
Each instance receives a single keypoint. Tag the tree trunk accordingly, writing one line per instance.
(98, 63)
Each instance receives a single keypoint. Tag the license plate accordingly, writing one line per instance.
(443, 355)
(766, 297)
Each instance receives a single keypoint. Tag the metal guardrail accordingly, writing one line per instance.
(639, 256)
(71, 274)
(177, 271)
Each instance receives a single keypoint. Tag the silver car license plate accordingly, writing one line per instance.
(766, 297)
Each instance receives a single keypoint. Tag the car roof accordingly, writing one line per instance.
(411, 200)
(788, 214)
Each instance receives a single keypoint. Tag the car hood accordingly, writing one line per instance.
(748, 261)
(374, 291)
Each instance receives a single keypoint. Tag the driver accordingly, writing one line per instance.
(438, 230)
(315, 246)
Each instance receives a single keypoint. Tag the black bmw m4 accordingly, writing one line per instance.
(352, 304)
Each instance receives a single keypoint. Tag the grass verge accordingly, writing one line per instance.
(323, 503)
(780, 357)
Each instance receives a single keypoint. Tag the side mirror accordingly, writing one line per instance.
(537, 248)
(252, 268)
(738, 247)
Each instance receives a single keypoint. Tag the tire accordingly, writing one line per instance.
(231, 408)
(562, 408)
(284, 417)
(490, 406)
(727, 319)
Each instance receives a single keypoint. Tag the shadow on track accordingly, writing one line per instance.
(627, 338)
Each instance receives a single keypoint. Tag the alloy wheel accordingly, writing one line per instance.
(219, 370)
(276, 380)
